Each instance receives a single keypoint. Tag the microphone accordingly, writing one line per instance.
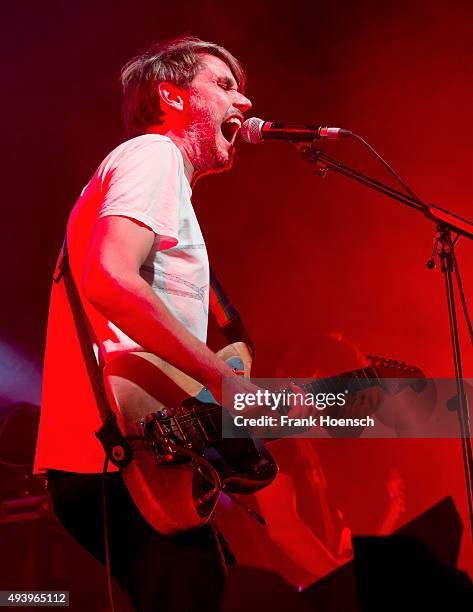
(256, 130)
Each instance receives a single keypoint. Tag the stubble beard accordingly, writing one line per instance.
(202, 138)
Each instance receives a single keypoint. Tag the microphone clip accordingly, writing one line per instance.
(312, 155)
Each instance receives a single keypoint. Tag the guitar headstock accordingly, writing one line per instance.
(410, 375)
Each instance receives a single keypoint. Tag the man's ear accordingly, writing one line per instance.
(171, 97)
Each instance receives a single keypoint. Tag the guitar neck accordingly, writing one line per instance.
(350, 382)
(346, 382)
(353, 381)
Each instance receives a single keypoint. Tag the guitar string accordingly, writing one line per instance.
(355, 375)
(217, 407)
(352, 376)
(216, 410)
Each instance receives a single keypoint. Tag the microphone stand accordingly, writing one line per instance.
(449, 228)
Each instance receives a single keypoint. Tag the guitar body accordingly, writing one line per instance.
(178, 472)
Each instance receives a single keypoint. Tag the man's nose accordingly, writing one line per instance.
(242, 103)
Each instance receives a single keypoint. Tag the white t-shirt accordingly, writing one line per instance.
(141, 179)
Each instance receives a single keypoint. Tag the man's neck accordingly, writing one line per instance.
(180, 144)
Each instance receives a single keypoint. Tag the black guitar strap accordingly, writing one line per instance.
(228, 318)
(116, 447)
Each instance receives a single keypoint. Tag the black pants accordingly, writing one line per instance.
(182, 573)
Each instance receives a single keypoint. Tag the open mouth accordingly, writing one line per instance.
(230, 128)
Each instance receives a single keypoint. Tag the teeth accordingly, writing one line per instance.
(234, 121)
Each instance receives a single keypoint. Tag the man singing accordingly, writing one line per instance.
(138, 258)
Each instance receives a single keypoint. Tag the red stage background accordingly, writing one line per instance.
(299, 255)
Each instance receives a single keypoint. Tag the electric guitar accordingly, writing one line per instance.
(181, 463)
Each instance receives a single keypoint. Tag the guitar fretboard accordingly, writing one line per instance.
(346, 382)
(353, 381)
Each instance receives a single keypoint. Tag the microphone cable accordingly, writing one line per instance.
(391, 170)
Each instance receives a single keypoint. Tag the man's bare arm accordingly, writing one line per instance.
(112, 283)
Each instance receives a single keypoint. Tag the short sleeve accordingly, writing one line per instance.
(142, 183)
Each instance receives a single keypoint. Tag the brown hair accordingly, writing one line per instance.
(174, 61)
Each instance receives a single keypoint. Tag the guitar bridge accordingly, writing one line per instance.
(165, 435)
